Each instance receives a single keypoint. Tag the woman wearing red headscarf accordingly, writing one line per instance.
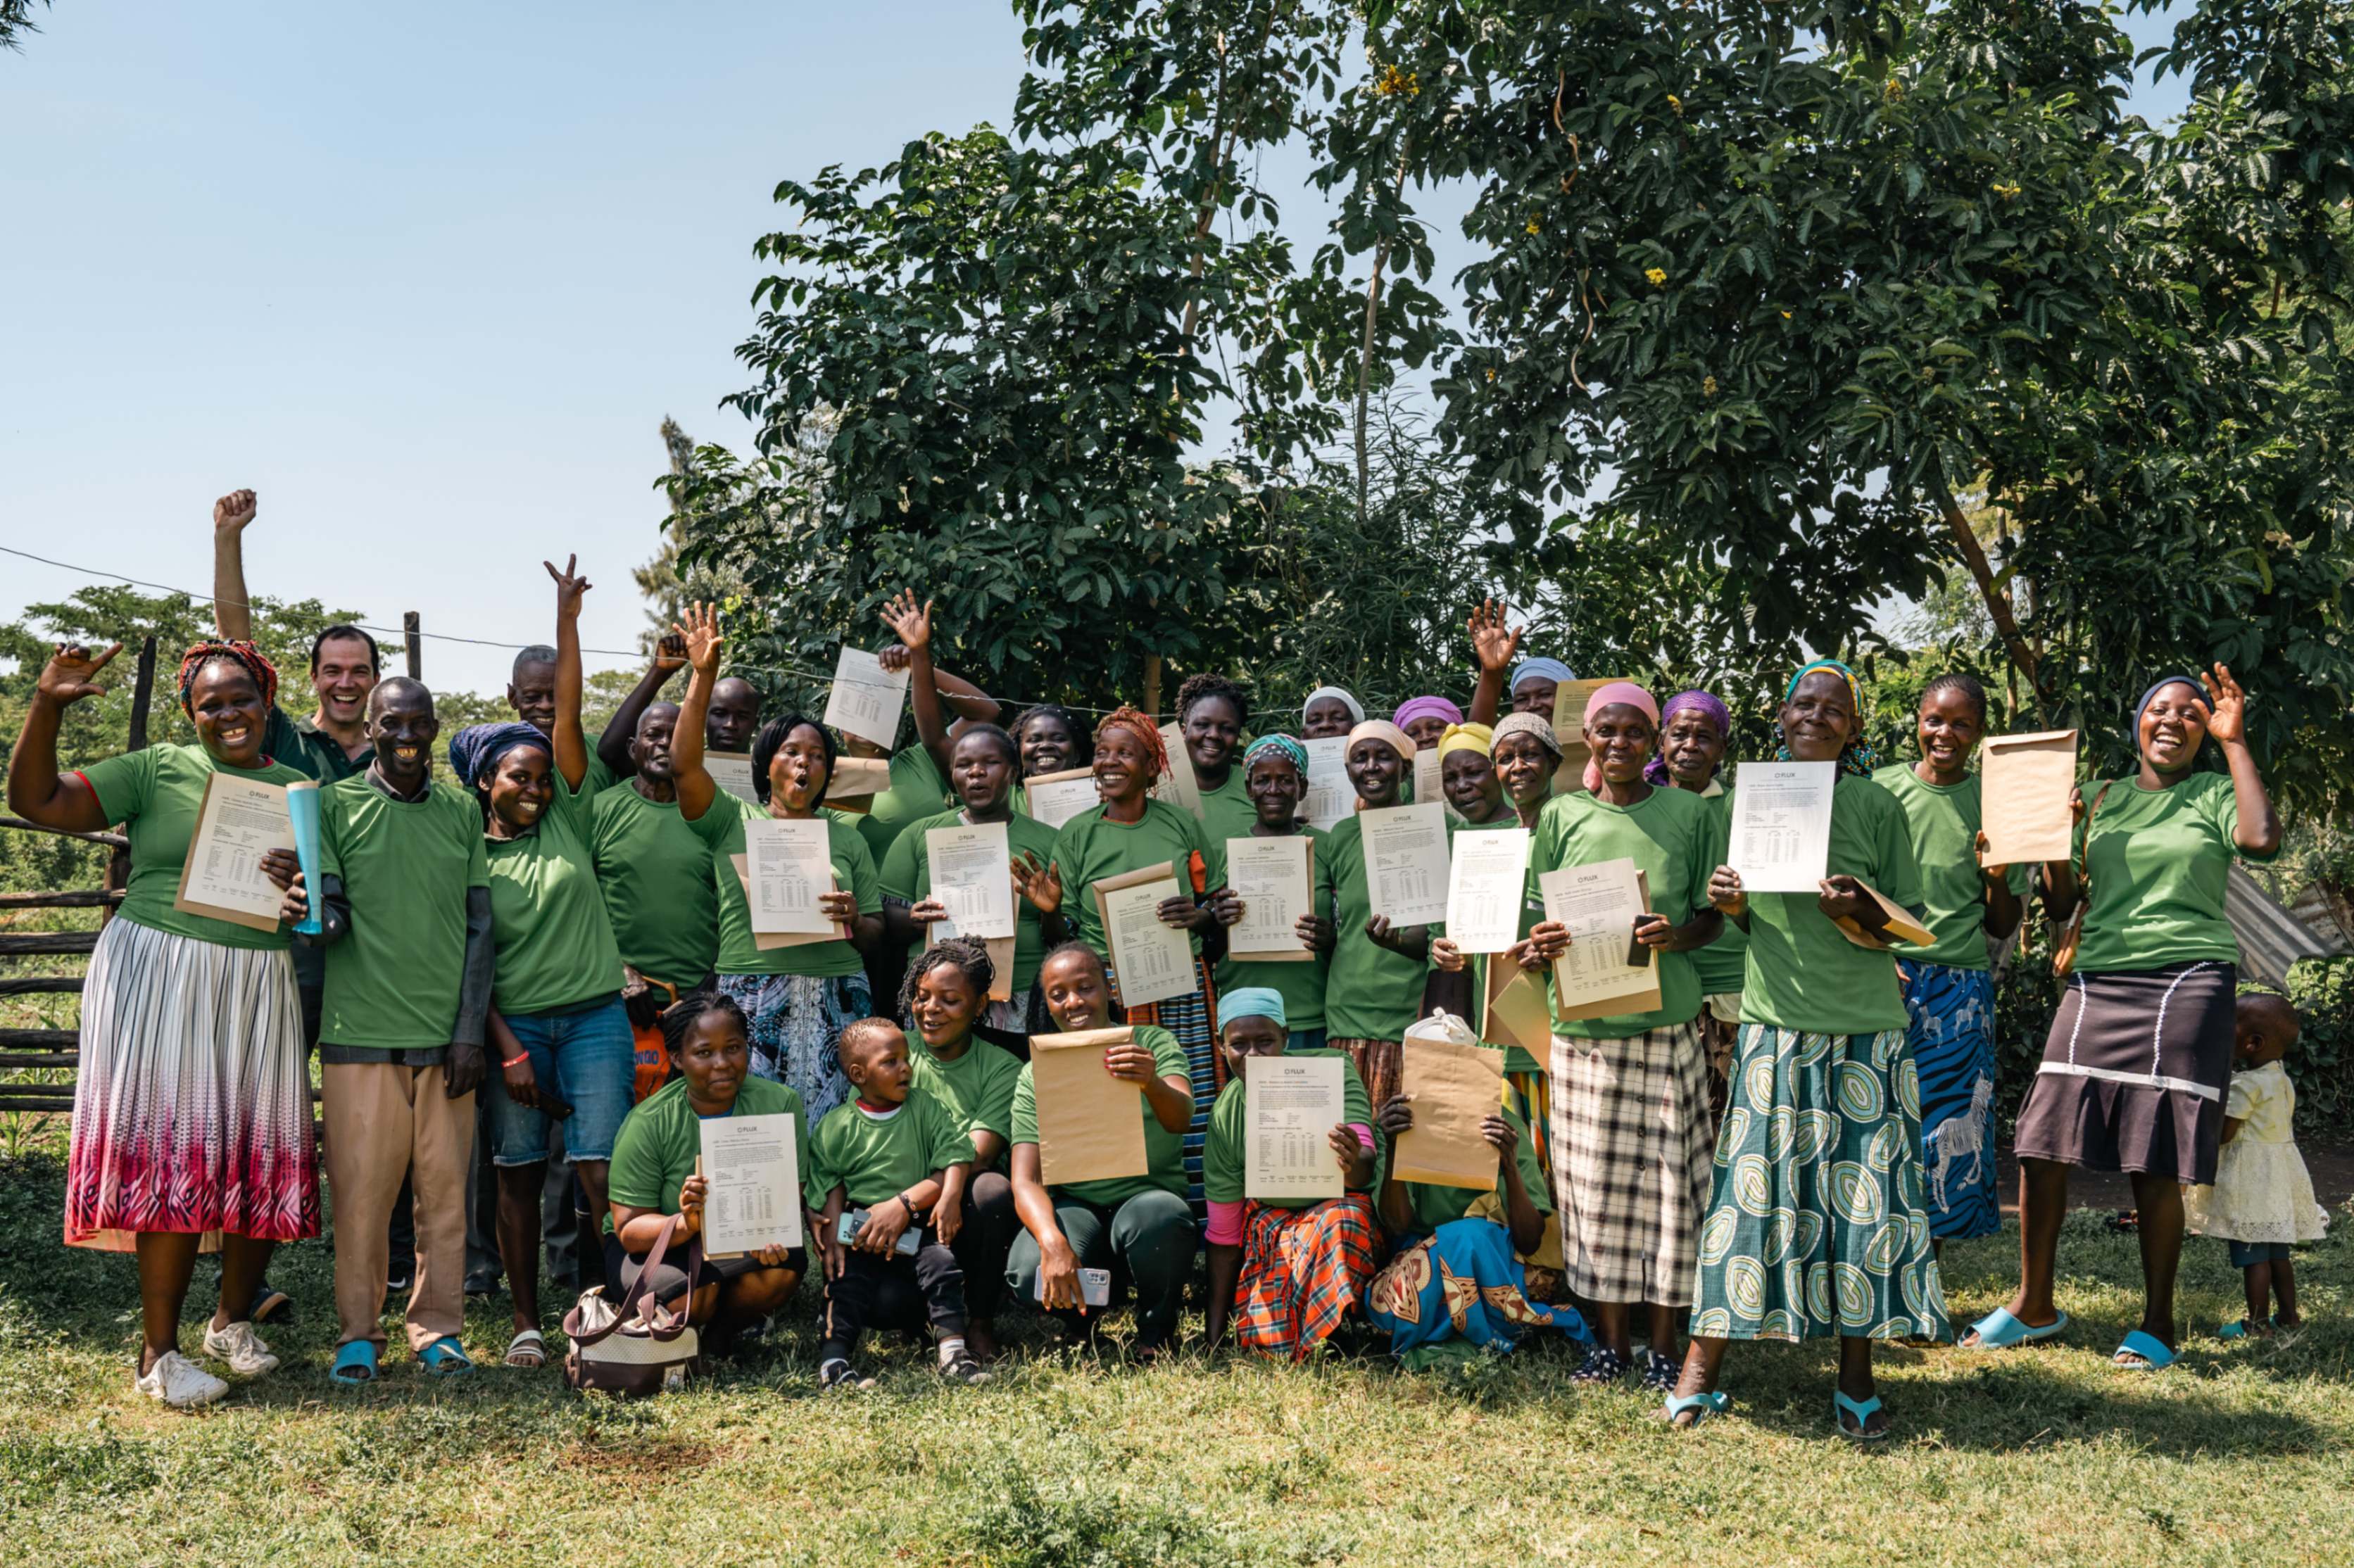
(192, 1107)
(1129, 831)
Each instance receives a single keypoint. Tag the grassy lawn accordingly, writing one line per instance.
(2042, 1457)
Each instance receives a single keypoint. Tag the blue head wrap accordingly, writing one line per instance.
(1251, 1002)
(476, 749)
(1552, 669)
(2197, 689)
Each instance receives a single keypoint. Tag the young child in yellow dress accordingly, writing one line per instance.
(2261, 1201)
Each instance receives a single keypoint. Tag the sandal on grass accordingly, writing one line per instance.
(528, 1349)
(445, 1358)
(1601, 1365)
(354, 1364)
(1999, 1330)
(1701, 1406)
(2149, 1353)
(1860, 1410)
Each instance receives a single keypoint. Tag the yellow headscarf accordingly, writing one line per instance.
(1478, 737)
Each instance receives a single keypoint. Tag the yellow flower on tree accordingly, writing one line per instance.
(1658, 275)
(1708, 385)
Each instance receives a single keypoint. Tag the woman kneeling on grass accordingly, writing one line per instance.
(1820, 1225)
(652, 1176)
(1287, 1268)
(1139, 1228)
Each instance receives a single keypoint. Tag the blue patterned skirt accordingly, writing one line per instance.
(797, 1021)
(1952, 1036)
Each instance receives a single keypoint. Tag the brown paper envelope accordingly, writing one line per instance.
(1901, 926)
(182, 904)
(1644, 996)
(1090, 1124)
(770, 941)
(1454, 1088)
(1280, 955)
(855, 781)
(1569, 700)
(1516, 1011)
(2023, 783)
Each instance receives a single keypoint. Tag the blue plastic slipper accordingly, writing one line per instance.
(1862, 1411)
(1999, 1330)
(2155, 1356)
(445, 1358)
(1701, 1405)
(354, 1364)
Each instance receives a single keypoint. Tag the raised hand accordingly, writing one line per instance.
(698, 628)
(232, 511)
(670, 653)
(69, 675)
(910, 623)
(1492, 643)
(569, 586)
(2228, 721)
(1039, 881)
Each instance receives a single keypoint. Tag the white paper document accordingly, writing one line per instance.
(1055, 797)
(732, 772)
(1600, 905)
(1274, 880)
(751, 1177)
(240, 820)
(1330, 797)
(972, 876)
(1295, 1102)
(1782, 825)
(787, 864)
(1407, 863)
(1487, 882)
(1154, 961)
(1429, 783)
(867, 699)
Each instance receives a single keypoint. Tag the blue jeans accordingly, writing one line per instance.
(2247, 1254)
(587, 1055)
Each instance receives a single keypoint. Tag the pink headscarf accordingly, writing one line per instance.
(1617, 693)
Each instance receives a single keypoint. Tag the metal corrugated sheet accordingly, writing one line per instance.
(2271, 939)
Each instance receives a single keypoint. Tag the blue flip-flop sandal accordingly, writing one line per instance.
(1861, 1411)
(1701, 1405)
(445, 1358)
(1999, 1330)
(2155, 1356)
(354, 1364)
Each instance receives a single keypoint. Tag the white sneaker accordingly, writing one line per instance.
(180, 1384)
(241, 1348)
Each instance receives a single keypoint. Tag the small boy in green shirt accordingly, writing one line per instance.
(891, 1158)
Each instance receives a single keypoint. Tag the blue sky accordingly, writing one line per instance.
(428, 284)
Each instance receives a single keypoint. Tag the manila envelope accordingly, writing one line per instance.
(1001, 964)
(2023, 783)
(769, 941)
(1090, 1124)
(1161, 871)
(1454, 1088)
(1515, 1011)
(855, 781)
(1569, 700)
(1901, 926)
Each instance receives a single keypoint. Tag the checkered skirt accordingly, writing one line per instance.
(1631, 1163)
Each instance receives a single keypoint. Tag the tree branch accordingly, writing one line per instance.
(1998, 601)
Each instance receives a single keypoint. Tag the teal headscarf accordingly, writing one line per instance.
(1857, 758)
(1252, 1001)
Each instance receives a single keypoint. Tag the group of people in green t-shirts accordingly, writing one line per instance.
(564, 938)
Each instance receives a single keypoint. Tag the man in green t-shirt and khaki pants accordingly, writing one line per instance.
(404, 903)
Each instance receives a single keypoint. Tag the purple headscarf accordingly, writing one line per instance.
(1656, 771)
(1414, 708)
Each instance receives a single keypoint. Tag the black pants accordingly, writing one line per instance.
(881, 1292)
(983, 1238)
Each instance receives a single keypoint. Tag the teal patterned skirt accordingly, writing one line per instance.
(1819, 1225)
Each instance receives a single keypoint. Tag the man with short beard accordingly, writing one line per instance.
(406, 915)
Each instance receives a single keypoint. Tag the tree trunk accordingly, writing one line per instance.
(1153, 685)
(1998, 601)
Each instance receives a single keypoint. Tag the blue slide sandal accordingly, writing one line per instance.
(445, 1358)
(2155, 1356)
(1999, 1330)
(354, 1364)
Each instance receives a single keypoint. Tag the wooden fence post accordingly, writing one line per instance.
(409, 635)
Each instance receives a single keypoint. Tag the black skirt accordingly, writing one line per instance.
(2134, 1073)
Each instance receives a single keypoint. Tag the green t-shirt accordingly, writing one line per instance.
(1722, 964)
(661, 1138)
(1224, 1160)
(1516, 1059)
(873, 1159)
(311, 751)
(1943, 820)
(156, 794)
(1434, 1206)
(1370, 992)
(1226, 811)
(1802, 973)
(393, 979)
(655, 872)
(1091, 847)
(2157, 863)
(1302, 984)
(722, 827)
(1671, 838)
(916, 792)
(907, 874)
(976, 1088)
(555, 947)
(1164, 1151)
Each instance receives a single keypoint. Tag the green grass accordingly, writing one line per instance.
(2036, 1458)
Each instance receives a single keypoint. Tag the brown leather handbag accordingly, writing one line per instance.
(2071, 935)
